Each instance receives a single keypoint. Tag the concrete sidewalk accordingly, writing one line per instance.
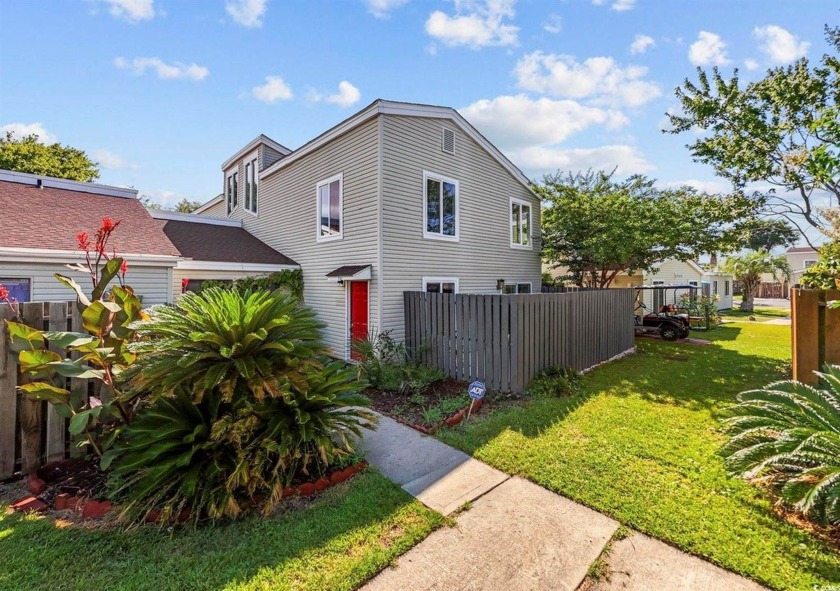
(516, 535)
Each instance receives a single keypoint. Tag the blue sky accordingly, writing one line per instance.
(161, 92)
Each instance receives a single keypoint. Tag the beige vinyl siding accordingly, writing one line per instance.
(268, 156)
(179, 274)
(216, 211)
(287, 223)
(483, 253)
(152, 283)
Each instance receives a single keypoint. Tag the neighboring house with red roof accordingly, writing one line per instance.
(42, 215)
(397, 197)
(40, 219)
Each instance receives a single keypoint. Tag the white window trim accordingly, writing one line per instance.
(253, 160)
(530, 284)
(427, 280)
(434, 235)
(340, 178)
(521, 202)
(229, 206)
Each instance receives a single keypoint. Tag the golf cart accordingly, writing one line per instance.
(666, 319)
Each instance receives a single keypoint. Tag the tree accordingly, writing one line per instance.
(763, 234)
(28, 155)
(598, 227)
(187, 206)
(748, 270)
(782, 130)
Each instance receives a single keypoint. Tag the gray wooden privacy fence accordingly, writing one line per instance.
(31, 433)
(505, 340)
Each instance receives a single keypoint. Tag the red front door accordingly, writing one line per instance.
(358, 312)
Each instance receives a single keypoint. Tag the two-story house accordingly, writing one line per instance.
(397, 197)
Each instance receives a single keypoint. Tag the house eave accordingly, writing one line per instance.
(195, 265)
(45, 255)
(252, 145)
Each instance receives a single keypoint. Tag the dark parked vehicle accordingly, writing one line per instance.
(668, 321)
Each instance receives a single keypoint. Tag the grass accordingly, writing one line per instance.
(640, 444)
(761, 313)
(340, 541)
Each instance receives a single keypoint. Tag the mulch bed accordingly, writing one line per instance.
(75, 488)
(408, 408)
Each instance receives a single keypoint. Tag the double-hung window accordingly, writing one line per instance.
(440, 207)
(330, 198)
(231, 190)
(520, 224)
(251, 186)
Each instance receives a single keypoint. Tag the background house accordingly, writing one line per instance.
(396, 197)
(673, 271)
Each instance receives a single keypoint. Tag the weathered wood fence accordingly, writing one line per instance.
(505, 340)
(815, 331)
(31, 433)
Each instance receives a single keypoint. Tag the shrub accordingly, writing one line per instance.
(788, 435)
(384, 363)
(241, 400)
(555, 381)
(290, 280)
(100, 354)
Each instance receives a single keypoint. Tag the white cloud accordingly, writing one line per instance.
(626, 160)
(520, 121)
(110, 161)
(131, 10)
(21, 130)
(383, 8)
(173, 71)
(475, 24)
(780, 45)
(347, 95)
(623, 5)
(167, 199)
(553, 24)
(751, 64)
(597, 78)
(708, 50)
(274, 89)
(248, 13)
(641, 43)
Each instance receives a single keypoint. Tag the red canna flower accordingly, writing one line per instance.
(4, 293)
(108, 225)
(84, 240)
(124, 267)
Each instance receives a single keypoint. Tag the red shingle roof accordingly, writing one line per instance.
(50, 218)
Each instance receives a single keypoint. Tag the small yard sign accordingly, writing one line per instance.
(477, 390)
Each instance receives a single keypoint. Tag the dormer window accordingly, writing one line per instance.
(231, 191)
(251, 186)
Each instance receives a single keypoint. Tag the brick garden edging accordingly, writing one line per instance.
(98, 508)
(453, 420)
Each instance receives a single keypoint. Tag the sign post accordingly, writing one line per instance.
(476, 392)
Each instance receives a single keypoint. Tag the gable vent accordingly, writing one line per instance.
(448, 141)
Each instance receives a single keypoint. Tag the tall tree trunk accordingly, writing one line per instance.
(748, 299)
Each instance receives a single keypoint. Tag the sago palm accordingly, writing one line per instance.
(789, 434)
(241, 399)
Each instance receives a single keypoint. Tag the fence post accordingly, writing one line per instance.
(56, 425)
(8, 397)
(832, 329)
(30, 411)
(805, 330)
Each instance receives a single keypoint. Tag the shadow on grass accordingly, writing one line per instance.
(337, 542)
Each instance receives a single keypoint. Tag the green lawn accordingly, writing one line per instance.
(640, 444)
(345, 537)
(761, 313)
